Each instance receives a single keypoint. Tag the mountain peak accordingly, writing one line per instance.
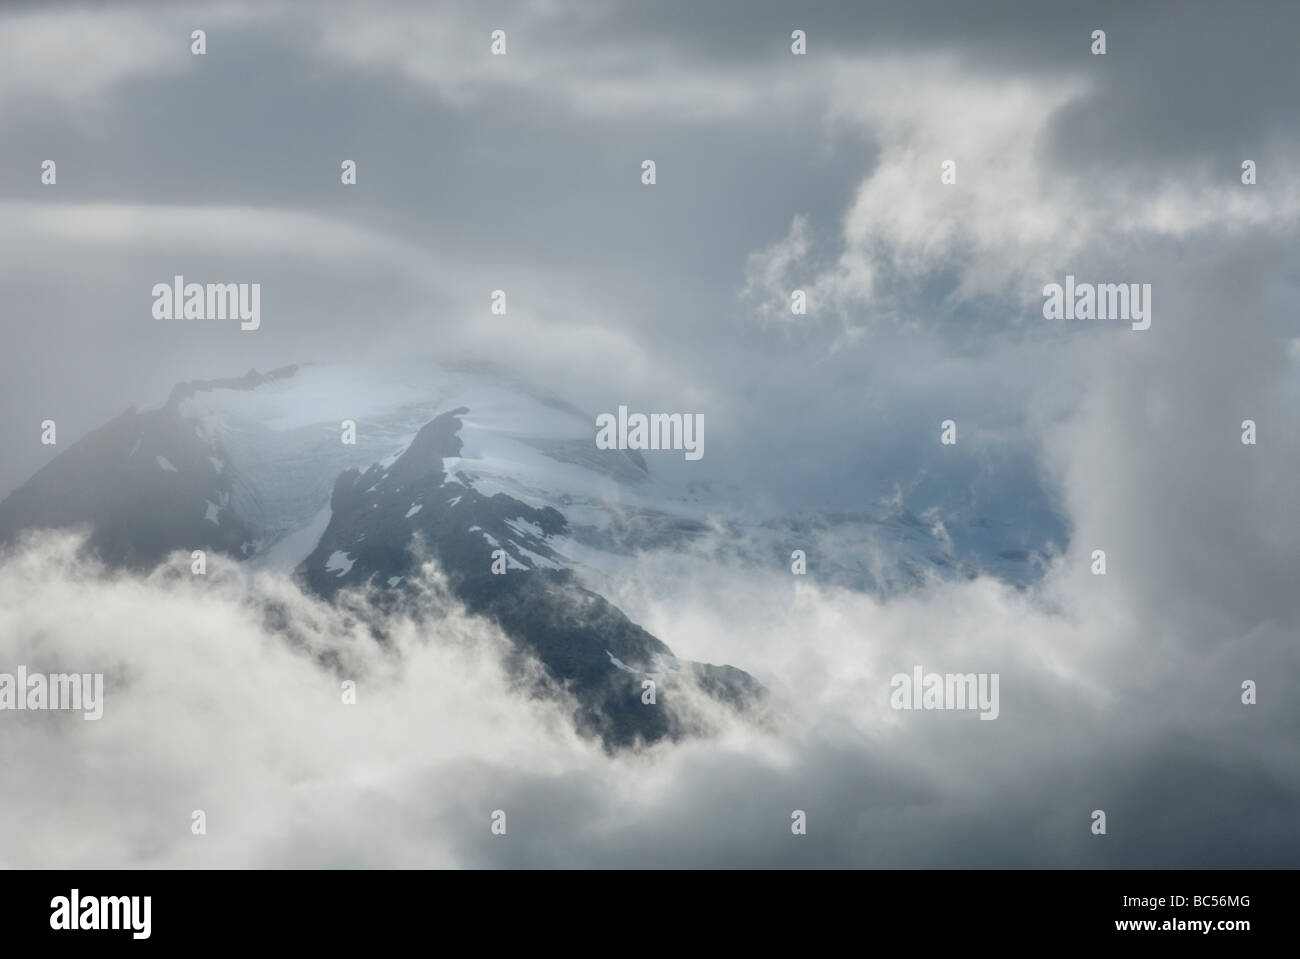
(249, 381)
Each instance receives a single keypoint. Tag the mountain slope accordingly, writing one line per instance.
(350, 474)
(585, 643)
(258, 467)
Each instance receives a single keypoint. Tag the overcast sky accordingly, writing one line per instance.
(522, 172)
(774, 172)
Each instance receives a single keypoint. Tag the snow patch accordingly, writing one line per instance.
(524, 528)
(539, 562)
(622, 665)
(339, 561)
(293, 548)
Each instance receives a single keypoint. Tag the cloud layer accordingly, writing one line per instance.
(776, 173)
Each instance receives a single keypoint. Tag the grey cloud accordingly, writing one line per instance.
(1082, 436)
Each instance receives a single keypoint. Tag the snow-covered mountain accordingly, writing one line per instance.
(264, 468)
(247, 466)
(346, 475)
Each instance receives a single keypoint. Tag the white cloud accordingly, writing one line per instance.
(78, 56)
(232, 229)
(207, 707)
(1011, 222)
(576, 54)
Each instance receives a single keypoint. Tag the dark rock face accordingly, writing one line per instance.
(585, 643)
(377, 514)
(145, 484)
(577, 635)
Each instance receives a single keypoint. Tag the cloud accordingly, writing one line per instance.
(77, 57)
(210, 707)
(204, 229)
(819, 173)
(582, 58)
(1016, 217)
